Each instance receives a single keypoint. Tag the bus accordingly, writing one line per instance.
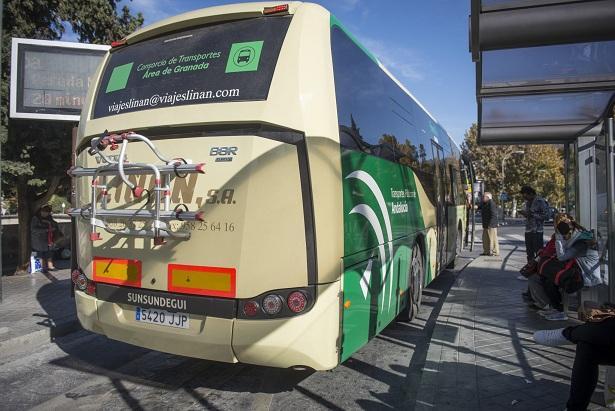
(253, 186)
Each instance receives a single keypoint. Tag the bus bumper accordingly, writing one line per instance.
(311, 339)
(208, 337)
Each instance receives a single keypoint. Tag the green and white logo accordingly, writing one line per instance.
(372, 218)
(119, 78)
(244, 56)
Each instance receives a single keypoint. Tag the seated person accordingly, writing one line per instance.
(574, 264)
(595, 346)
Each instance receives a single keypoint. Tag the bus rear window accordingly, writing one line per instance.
(232, 61)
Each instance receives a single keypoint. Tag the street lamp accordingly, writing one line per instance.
(519, 152)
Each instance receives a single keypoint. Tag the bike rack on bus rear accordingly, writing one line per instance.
(159, 229)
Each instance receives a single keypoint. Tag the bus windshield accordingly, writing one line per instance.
(232, 61)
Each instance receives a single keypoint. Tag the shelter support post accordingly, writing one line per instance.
(611, 207)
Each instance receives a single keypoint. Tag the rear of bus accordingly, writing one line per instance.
(239, 97)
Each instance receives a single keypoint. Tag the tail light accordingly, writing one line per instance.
(278, 304)
(282, 8)
(118, 43)
(74, 275)
(91, 288)
(272, 304)
(82, 283)
(297, 301)
(250, 308)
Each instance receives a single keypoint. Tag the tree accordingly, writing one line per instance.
(36, 154)
(540, 166)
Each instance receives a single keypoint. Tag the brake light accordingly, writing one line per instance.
(297, 301)
(250, 308)
(81, 282)
(74, 275)
(118, 43)
(91, 288)
(272, 304)
(282, 8)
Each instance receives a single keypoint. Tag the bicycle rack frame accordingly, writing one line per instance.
(160, 215)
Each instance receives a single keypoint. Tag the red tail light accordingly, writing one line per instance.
(82, 283)
(118, 43)
(74, 275)
(297, 301)
(282, 8)
(91, 288)
(250, 308)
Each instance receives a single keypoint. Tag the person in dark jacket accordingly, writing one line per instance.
(489, 214)
(535, 213)
(44, 232)
(595, 346)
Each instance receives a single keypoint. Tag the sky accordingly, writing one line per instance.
(423, 43)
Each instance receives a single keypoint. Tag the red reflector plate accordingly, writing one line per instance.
(202, 280)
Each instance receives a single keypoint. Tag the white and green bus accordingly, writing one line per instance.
(253, 186)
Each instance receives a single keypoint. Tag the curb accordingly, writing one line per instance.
(24, 342)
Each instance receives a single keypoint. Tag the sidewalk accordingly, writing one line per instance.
(482, 354)
(35, 309)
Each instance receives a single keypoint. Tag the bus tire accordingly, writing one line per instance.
(458, 249)
(416, 274)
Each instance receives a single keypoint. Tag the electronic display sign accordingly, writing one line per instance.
(50, 79)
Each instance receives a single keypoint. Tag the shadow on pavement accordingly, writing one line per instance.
(166, 380)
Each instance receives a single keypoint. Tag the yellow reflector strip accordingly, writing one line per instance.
(117, 271)
(214, 281)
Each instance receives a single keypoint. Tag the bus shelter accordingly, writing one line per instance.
(545, 74)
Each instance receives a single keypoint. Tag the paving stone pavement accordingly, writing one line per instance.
(482, 355)
(35, 309)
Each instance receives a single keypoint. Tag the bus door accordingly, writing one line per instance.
(440, 189)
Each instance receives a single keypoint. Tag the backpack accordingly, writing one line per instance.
(565, 274)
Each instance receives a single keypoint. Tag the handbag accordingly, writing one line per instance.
(597, 314)
(529, 269)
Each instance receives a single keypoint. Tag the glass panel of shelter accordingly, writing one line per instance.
(555, 64)
(545, 109)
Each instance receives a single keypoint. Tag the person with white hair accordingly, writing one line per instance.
(489, 213)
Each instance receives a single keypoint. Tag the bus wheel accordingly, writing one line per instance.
(415, 289)
(458, 249)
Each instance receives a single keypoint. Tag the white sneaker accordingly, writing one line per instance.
(547, 311)
(557, 316)
(521, 278)
(551, 337)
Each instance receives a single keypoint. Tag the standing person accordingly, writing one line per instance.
(469, 211)
(595, 346)
(535, 212)
(44, 232)
(489, 214)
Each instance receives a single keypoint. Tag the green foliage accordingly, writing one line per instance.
(33, 151)
(56, 202)
(36, 154)
(540, 166)
(98, 21)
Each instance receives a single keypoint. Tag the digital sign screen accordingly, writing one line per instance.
(50, 79)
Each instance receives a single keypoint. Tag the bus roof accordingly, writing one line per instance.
(244, 11)
(205, 16)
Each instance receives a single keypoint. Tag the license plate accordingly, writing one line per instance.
(162, 317)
